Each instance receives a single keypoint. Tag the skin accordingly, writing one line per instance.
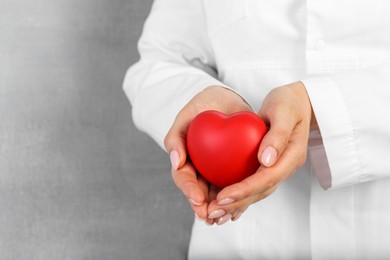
(287, 111)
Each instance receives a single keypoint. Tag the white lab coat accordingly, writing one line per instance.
(338, 205)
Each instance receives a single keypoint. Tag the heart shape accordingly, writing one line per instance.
(223, 148)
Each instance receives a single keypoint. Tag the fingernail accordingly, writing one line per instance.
(225, 201)
(225, 218)
(236, 217)
(217, 213)
(199, 218)
(209, 224)
(195, 203)
(268, 157)
(175, 159)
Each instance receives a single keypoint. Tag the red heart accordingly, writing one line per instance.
(223, 148)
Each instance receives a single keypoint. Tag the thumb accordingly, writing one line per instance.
(276, 140)
(175, 141)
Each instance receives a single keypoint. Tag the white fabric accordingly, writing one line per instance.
(340, 50)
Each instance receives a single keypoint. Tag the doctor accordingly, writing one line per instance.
(318, 72)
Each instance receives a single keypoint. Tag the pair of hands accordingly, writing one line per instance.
(288, 113)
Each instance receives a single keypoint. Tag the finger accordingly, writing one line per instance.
(204, 185)
(238, 214)
(224, 219)
(201, 211)
(265, 178)
(261, 181)
(282, 123)
(217, 215)
(175, 140)
(284, 108)
(220, 215)
(233, 216)
(186, 180)
(241, 205)
(213, 192)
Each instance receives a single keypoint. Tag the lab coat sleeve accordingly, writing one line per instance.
(352, 110)
(176, 63)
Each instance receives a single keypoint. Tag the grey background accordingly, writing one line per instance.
(77, 180)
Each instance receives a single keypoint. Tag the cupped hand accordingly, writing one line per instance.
(196, 189)
(287, 111)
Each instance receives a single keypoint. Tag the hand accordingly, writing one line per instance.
(287, 110)
(197, 190)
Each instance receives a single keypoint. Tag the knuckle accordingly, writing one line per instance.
(281, 138)
(260, 196)
(270, 184)
(245, 189)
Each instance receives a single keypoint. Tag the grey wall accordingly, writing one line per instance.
(77, 180)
